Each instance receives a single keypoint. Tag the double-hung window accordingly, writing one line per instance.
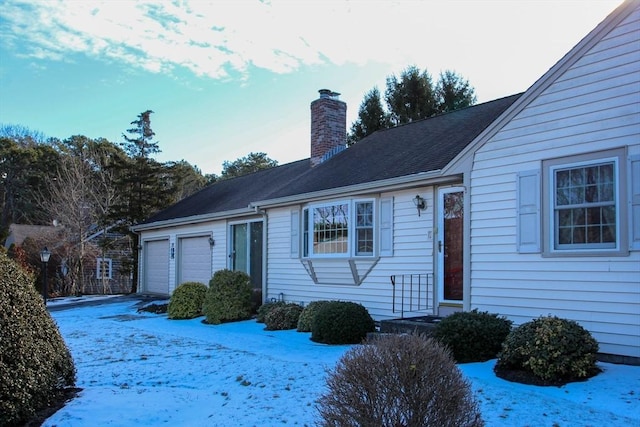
(339, 229)
(103, 268)
(584, 204)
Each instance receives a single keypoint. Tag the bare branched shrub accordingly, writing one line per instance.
(398, 380)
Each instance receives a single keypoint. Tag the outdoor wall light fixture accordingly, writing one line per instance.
(420, 202)
(211, 242)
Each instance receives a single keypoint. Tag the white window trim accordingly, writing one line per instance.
(99, 270)
(351, 229)
(618, 157)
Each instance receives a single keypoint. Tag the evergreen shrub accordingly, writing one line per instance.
(187, 300)
(308, 314)
(35, 363)
(341, 322)
(265, 308)
(550, 348)
(398, 380)
(473, 336)
(283, 317)
(228, 297)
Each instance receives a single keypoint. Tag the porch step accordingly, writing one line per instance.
(423, 325)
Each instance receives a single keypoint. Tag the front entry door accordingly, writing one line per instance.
(450, 244)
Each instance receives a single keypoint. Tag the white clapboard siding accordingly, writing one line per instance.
(594, 105)
(412, 253)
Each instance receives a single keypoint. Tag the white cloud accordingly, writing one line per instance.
(220, 38)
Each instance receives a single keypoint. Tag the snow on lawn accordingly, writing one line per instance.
(141, 369)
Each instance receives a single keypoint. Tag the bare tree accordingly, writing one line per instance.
(79, 198)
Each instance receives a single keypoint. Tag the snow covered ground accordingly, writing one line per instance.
(141, 369)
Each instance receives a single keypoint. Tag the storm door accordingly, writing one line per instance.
(450, 244)
(246, 251)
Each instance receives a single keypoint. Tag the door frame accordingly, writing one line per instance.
(440, 247)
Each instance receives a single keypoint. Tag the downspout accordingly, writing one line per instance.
(265, 222)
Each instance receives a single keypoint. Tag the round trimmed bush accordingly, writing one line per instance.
(265, 308)
(551, 349)
(398, 380)
(35, 363)
(228, 297)
(308, 314)
(341, 322)
(187, 300)
(283, 317)
(473, 336)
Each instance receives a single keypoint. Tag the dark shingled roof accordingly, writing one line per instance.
(421, 146)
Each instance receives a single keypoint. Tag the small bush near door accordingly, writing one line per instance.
(187, 300)
(341, 322)
(473, 336)
(398, 380)
(36, 366)
(228, 297)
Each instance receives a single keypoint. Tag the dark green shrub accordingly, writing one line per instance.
(265, 308)
(35, 363)
(228, 297)
(308, 314)
(283, 317)
(473, 336)
(341, 322)
(398, 380)
(187, 300)
(550, 348)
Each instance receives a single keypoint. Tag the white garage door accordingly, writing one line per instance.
(156, 267)
(194, 260)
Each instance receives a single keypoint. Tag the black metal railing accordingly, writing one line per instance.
(413, 293)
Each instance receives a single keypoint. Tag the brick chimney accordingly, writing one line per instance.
(328, 126)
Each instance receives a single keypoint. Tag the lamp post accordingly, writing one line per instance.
(45, 254)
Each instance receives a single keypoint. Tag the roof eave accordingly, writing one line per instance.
(414, 180)
(195, 219)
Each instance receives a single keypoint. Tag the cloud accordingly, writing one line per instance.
(225, 39)
(213, 39)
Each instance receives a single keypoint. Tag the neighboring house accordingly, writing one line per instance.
(19, 232)
(106, 255)
(110, 259)
(524, 206)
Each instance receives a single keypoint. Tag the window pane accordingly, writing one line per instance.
(330, 229)
(364, 228)
(365, 242)
(585, 206)
(364, 214)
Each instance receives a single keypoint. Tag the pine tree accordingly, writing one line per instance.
(411, 96)
(141, 182)
(453, 92)
(371, 117)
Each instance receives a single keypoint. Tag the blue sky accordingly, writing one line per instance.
(226, 78)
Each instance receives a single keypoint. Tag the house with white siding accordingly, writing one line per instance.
(524, 206)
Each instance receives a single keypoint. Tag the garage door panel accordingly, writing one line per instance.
(157, 267)
(194, 260)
